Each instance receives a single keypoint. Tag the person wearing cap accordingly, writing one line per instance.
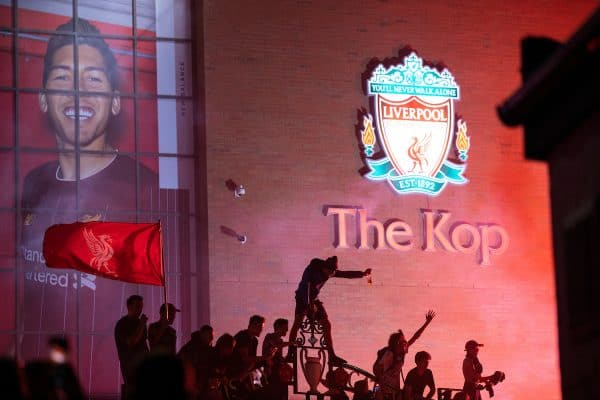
(162, 337)
(472, 370)
(307, 303)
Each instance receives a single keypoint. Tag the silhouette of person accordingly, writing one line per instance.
(246, 363)
(196, 353)
(315, 275)
(160, 376)
(162, 337)
(66, 382)
(390, 360)
(419, 378)
(250, 335)
(130, 338)
(273, 344)
(336, 381)
(240, 371)
(361, 390)
(220, 357)
(472, 371)
(11, 380)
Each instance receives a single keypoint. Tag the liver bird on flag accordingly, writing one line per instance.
(100, 248)
(129, 252)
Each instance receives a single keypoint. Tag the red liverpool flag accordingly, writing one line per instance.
(123, 251)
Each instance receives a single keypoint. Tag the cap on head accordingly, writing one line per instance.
(172, 309)
(472, 344)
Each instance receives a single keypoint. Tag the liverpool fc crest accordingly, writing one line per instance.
(412, 138)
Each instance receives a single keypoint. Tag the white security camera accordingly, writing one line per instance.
(239, 191)
(242, 239)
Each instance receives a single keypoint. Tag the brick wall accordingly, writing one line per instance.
(283, 85)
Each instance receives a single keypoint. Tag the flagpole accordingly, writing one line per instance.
(162, 265)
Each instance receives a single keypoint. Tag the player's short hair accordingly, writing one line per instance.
(81, 31)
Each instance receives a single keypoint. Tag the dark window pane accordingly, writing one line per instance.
(6, 53)
(7, 288)
(7, 128)
(7, 240)
(7, 178)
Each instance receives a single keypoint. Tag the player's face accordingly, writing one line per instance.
(95, 107)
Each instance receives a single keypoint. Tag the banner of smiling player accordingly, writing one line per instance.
(90, 127)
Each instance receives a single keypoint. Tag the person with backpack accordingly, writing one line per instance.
(390, 360)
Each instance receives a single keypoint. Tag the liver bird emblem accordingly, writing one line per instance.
(416, 151)
(100, 248)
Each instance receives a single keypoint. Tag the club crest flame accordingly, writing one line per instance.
(411, 137)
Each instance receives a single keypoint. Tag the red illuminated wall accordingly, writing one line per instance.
(283, 85)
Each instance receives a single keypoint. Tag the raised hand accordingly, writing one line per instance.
(429, 316)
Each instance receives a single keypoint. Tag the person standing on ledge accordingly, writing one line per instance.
(307, 303)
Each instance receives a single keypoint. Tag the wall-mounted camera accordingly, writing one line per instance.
(239, 191)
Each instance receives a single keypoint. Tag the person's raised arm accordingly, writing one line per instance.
(428, 317)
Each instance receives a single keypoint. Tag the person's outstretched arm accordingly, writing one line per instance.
(428, 317)
(351, 274)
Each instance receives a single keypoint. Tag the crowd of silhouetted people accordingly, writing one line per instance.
(229, 369)
(232, 368)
